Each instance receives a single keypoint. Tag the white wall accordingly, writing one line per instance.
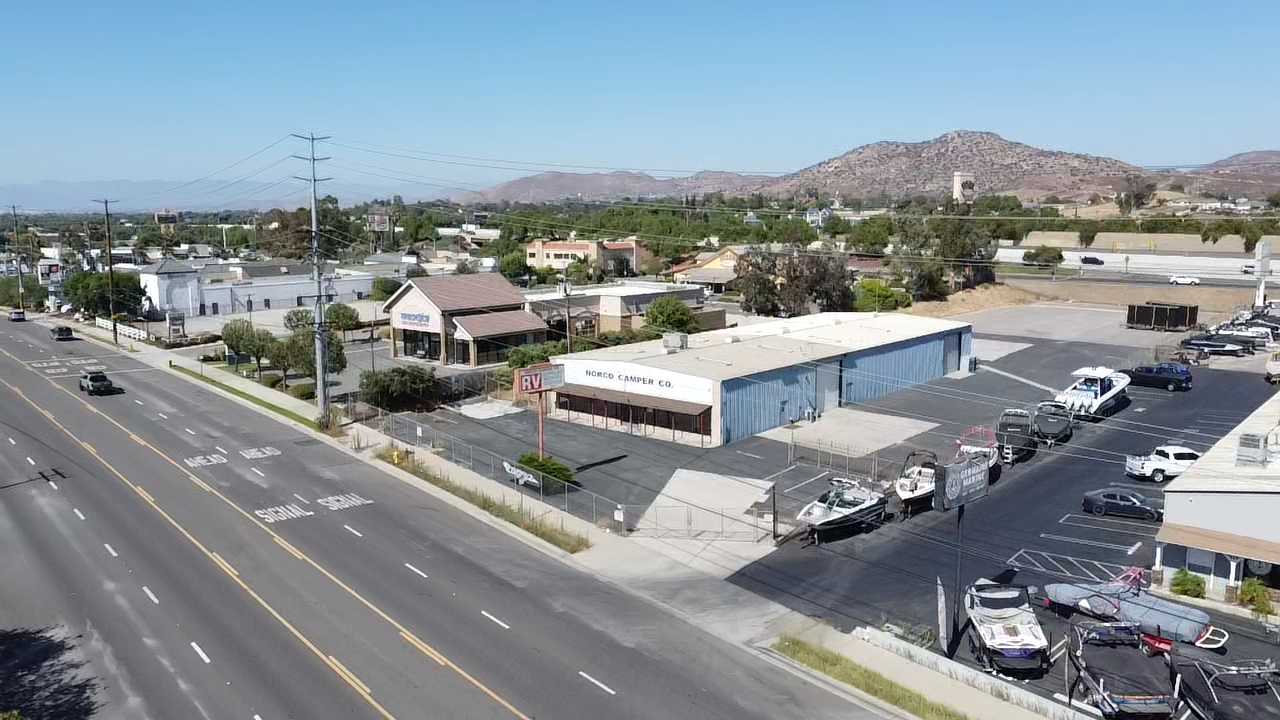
(638, 379)
(1244, 514)
(414, 303)
(281, 292)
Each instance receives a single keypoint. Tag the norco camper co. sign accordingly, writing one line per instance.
(638, 379)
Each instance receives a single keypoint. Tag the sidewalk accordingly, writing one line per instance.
(655, 570)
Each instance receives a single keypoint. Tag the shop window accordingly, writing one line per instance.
(215, 308)
(1200, 561)
(266, 303)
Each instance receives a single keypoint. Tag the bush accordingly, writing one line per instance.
(213, 357)
(271, 380)
(1186, 583)
(303, 392)
(875, 296)
(555, 474)
(1042, 256)
(1254, 595)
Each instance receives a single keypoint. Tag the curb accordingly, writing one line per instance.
(764, 650)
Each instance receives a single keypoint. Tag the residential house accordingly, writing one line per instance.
(627, 254)
(817, 217)
(716, 271)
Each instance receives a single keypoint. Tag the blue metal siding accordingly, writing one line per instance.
(755, 403)
(966, 342)
(873, 373)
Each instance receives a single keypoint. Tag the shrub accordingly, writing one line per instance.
(555, 474)
(875, 296)
(271, 380)
(1254, 595)
(303, 392)
(1186, 583)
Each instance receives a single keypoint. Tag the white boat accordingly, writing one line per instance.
(916, 481)
(1005, 635)
(979, 441)
(848, 502)
(1095, 391)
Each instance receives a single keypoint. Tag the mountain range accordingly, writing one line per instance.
(901, 169)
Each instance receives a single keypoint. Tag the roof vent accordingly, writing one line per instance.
(675, 341)
(731, 339)
(1252, 450)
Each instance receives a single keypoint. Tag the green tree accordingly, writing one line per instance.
(282, 354)
(1136, 193)
(414, 272)
(342, 318)
(670, 314)
(237, 335)
(89, 291)
(874, 296)
(555, 474)
(1051, 200)
(653, 265)
(303, 349)
(1043, 256)
(757, 280)
(836, 226)
(465, 267)
(1273, 200)
(299, 319)
(384, 287)
(259, 346)
(513, 265)
(1088, 231)
(400, 388)
(871, 236)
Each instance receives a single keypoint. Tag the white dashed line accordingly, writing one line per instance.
(78, 513)
(750, 455)
(500, 624)
(151, 595)
(111, 550)
(166, 417)
(597, 683)
(200, 652)
(138, 401)
(415, 569)
(11, 442)
(219, 449)
(189, 431)
(53, 485)
(353, 531)
(258, 471)
(29, 460)
(302, 499)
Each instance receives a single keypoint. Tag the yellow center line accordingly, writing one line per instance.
(404, 632)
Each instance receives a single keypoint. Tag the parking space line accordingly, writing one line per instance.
(1134, 549)
(819, 476)
(1082, 541)
(1137, 486)
(1108, 525)
(1084, 570)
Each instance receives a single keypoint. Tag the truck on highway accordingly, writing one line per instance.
(1166, 461)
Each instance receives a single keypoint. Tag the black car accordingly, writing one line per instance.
(1113, 501)
(62, 332)
(1091, 260)
(1170, 376)
(1215, 347)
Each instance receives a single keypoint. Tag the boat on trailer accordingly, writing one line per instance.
(1096, 390)
(848, 502)
(1052, 422)
(1015, 433)
(916, 481)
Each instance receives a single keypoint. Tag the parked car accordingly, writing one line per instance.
(1183, 280)
(1166, 461)
(17, 316)
(1213, 347)
(1126, 503)
(96, 383)
(1091, 260)
(1168, 375)
(62, 332)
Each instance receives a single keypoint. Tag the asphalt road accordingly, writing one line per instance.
(335, 592)
(1114, 276)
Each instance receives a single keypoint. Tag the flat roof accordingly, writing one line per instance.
(760, 347)
(1217, 471)
(619, 289)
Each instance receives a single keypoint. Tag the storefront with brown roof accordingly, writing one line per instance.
(470, 319)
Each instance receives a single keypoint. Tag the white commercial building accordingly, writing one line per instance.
(171, 286)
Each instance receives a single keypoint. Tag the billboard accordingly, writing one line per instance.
(378, 223)
(540, 378)
(962, 482)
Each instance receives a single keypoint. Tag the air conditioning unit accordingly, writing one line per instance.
(675, 341)
(1252, 450)
(731, 339)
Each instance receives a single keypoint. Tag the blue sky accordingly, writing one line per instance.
(174, 90)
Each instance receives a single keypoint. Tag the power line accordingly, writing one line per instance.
(322, 381)
(241, 161)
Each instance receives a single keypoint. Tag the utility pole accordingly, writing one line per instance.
(322, 387)
(22, 302)
(111, 271)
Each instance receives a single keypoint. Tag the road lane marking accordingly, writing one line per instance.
(1134, 549)
(289, 548)
(823, 474)
(783, 471)
(151, 595)
(415, 569)
(750, 455)
(11, 442)
(1082, 541)
(1108, 525)
(1148, 488)
(500, 624)
(1011, 376)
(78, 513)
(145, 495)
(138, 401)
(30, 461)
(302, 499)
(258, 471)
(258, 453)
(226, 566)
(353, 531)
(423, 648)
(597, 683)
(200, 652)
(166, 417)
(205, 460)
(303, 639)
(189, 431)
(53, 485)
(219, 449)
(350, 676)
(111, 550)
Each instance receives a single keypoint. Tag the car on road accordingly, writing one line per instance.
(1248, 268)
(96, 383)
(1168, 375)
(17, 316)
(1166, 461)
(1091, 260)
(1214, 347)
(1183, 280)
(1124, 503)
(62, 332)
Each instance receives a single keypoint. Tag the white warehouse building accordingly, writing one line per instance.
(725, 385)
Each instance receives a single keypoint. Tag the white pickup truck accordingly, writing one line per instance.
(1166, 461)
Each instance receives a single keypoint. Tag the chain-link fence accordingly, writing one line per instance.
(841, 459)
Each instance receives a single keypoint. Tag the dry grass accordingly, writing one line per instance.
(1210, 300)
(869, 681)
(979, 298)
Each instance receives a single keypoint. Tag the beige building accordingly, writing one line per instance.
(615, 306)
(560, 254)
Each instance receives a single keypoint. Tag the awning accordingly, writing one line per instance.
(1220, 542)
(626, 398)
(496, 324)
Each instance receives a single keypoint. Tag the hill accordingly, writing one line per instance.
(552, 186)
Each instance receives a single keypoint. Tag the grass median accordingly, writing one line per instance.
(869, 681)
(248, 396)
(566, 540)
